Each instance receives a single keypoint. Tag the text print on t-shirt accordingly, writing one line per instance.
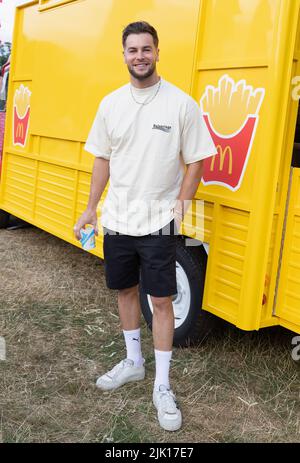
(164, 128)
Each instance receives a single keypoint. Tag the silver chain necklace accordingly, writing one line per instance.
(147, 101)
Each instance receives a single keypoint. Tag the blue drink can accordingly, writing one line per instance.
(88, 238)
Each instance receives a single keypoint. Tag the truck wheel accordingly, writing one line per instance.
(192, 324)
(4, 219)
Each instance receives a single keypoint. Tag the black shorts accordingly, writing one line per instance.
(153, 256)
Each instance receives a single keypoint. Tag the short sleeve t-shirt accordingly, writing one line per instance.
(147, 146)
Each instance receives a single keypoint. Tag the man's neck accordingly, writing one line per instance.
(152, 80)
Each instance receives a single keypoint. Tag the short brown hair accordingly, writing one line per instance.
(139, 27)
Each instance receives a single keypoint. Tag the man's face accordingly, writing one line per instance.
(140, 55)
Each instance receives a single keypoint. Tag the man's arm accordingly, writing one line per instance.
(188, 190)
(100, 176)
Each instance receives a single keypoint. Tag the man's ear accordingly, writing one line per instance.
(124, 56)
(157, 58)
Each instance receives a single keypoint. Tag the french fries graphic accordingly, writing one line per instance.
(231, 113)
(21, 114)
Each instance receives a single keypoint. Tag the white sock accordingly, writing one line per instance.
(133, 346)
(162, 367)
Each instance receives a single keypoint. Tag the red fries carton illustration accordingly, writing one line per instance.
(231, 115)
(21, 114)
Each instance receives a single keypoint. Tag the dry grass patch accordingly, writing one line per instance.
(62, 330)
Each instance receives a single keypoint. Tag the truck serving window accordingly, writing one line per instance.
(47, 4)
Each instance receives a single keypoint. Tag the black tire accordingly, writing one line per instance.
(198, 323)
(4, 219)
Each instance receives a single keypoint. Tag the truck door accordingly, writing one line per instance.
(288, 296)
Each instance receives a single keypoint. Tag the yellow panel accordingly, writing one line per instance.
(85, 159)
(208, 219)
(55, 197)
(194, 221)
(289, 325)
(46, 4)
(66, 89)
(226, 263)
(24, 41)
(58, 149)
(83, 189)
(79, 55)
(288, 300)
(237, 89)
(271, 274)
(18, 194)
(242, 30)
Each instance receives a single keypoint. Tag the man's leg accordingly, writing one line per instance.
(168, 413)
(132, 368)
(129, 308)
(130, 317)
(122, 271)
(158, 272)
(163, 332)
(158, 269)
(163, 323)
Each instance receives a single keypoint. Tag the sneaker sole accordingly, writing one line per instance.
(168, 426)
(111, 387)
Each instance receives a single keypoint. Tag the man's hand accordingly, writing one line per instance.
(88, 217)
(100, 176)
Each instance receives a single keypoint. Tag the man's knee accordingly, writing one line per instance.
(127, 292)
(161, 304)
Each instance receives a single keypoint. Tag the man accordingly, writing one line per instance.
(143, 135)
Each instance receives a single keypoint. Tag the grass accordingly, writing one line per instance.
(61, 327)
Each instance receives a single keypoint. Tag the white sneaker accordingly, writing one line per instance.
(168, 413)
(122, 373)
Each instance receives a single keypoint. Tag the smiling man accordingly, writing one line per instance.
(148, 139)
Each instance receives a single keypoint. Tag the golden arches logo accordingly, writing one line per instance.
(20, 130)
(222, 153)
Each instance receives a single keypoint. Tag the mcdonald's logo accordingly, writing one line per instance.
(20, 127)
(20, 130)
(222, 154)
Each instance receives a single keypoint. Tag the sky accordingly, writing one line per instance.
(7, 12)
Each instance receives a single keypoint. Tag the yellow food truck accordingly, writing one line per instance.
(239, 59)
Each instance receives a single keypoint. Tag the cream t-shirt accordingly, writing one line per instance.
(147, 147)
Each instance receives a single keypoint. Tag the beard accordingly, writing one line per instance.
(141, 77)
